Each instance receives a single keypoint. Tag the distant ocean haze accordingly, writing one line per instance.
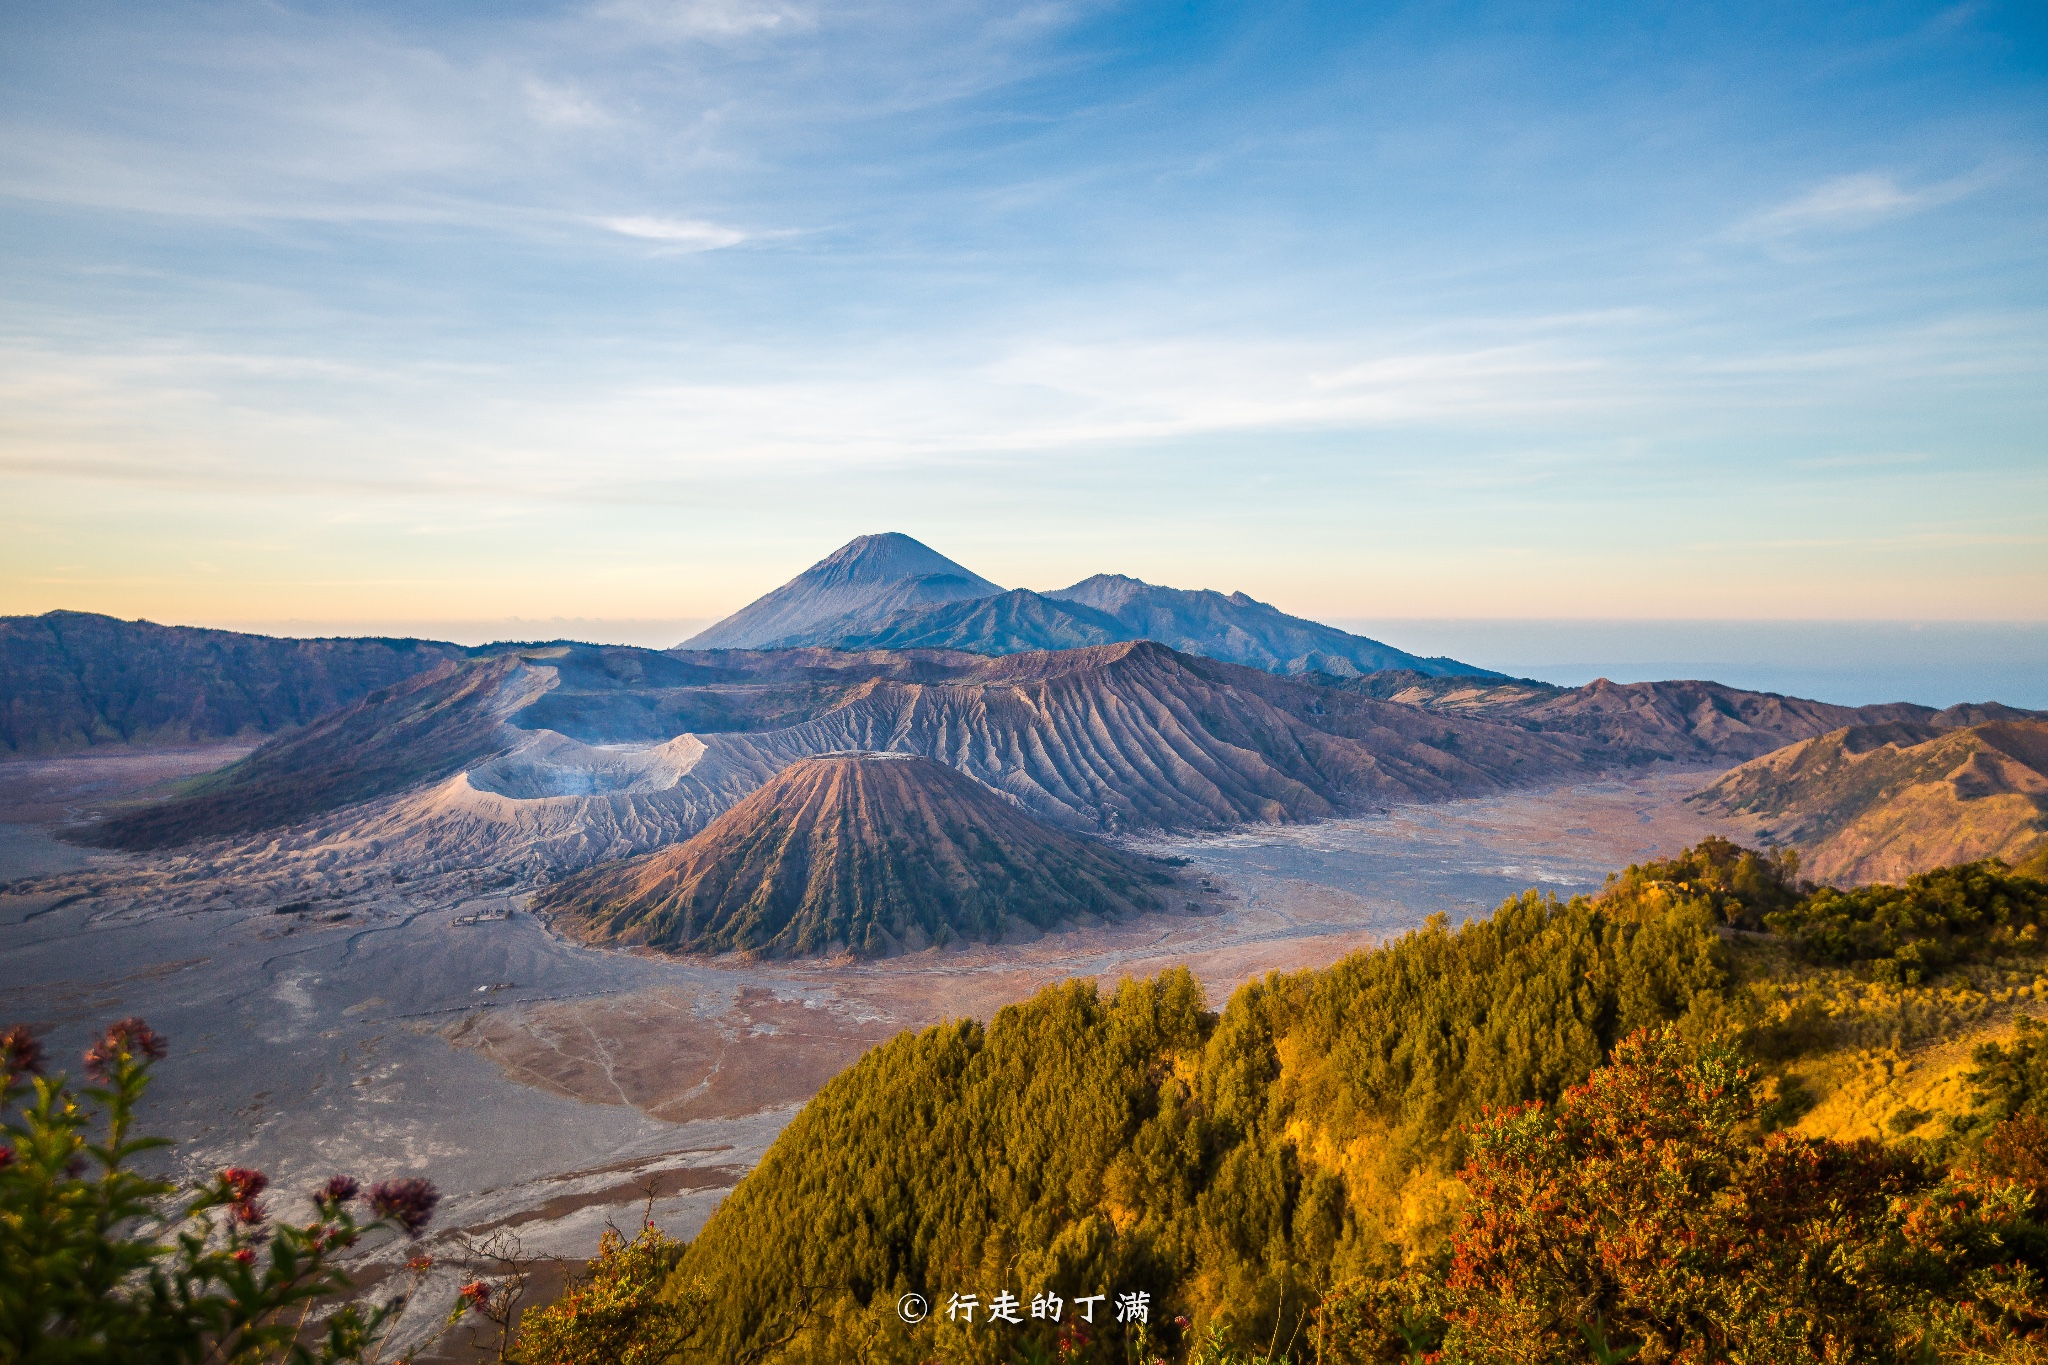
(646, 632)
(1851, 663)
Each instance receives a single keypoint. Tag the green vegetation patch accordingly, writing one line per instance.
(1447, 1144)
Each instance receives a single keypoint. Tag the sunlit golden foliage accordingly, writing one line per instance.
(1404, 1154)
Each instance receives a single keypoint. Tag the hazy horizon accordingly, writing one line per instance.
(1850, 662)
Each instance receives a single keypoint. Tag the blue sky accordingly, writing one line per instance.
(354, 313)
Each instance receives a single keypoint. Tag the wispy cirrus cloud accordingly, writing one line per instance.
(678, 234)
(680, 19)
(1846, 203)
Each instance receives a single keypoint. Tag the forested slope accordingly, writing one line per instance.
(1343, 1163)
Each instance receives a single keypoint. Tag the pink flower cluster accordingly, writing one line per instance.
(127, 1040)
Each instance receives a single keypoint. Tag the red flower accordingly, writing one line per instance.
(242, 1184)
(475, 1294)
(20, 1053)
(245, 1257)
(420, 1265)
(6, 1157)
(339, 1189)
(128, 1040)
(408, 1203)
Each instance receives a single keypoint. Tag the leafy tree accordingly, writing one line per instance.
(1738, 885)
(1641, 1218)
(2012, 1078)
(1973, 912)
(619, 1312)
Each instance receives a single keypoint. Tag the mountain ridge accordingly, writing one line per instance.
(578, 753)
(75, 680)
(1681, 719)
(1880, 802)
(1130, 735)
(1240, 629)
(872, 854)
(1016, 622)
(864, 597)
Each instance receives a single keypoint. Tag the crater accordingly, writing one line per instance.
(553, 765)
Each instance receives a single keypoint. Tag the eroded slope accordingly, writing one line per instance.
(1685, 721)
(1881, 802)
(416, 731)
(876, 853)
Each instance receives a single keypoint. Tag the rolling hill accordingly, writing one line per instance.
(1880, 802)
(872, 853)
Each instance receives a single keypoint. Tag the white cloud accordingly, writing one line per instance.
(682, 234)
(703, 18)
(561, 106)
(1845, 203)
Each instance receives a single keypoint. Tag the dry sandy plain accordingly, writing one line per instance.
(426, 1024)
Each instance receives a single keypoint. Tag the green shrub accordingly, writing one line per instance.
(1976, 912)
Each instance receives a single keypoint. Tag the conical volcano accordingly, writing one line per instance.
(871, 853)
(859, 584)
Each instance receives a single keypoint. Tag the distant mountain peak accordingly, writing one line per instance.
(1238, 628)
(866, 579)
(889, 591)
(887, 557)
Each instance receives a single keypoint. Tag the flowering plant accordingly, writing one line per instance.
(99, 1263)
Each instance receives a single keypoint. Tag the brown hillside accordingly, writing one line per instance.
(1881, 802)
(1134, 734)
(1687, 721)
(877, 853)
(75, 680)
(416, 731)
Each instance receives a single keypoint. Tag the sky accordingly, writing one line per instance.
(348, 313)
